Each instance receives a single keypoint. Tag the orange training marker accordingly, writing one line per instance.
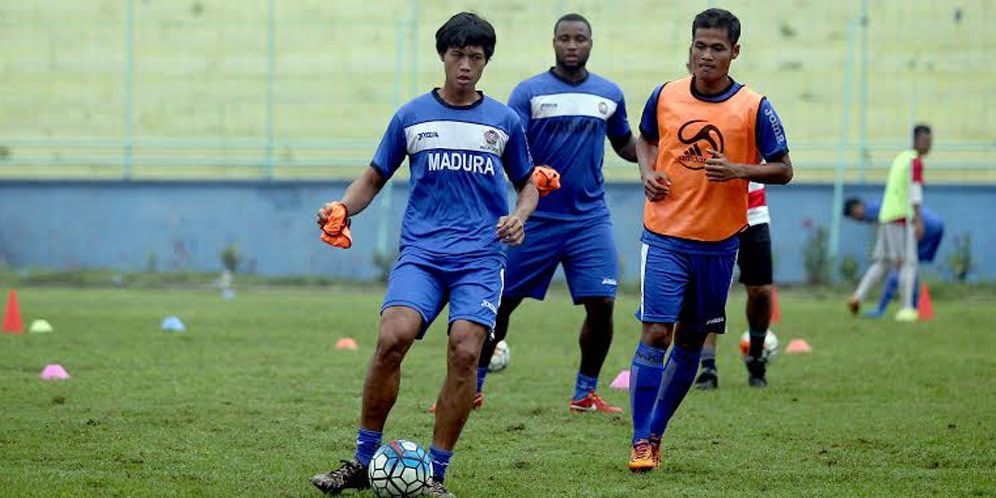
(776, 314)
(12, 323)
(924, 306)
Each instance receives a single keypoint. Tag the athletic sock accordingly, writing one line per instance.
(367, 443)
(757, 343)
(440, 461)
(584, 385)
(482, 373)
(644, 382)
(709, 358)
(679, 373)
(891, 286)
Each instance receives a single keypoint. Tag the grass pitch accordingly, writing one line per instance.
(253, 399)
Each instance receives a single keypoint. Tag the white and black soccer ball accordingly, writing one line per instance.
(770, 346)
(400, 468)
(499, 360)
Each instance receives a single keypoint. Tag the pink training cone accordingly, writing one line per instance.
(621, 381)
(54, 372)
(798, 346)
(347, 343)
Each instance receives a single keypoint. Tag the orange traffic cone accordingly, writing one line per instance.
(924, 306)
(776, 314)
(12, 323)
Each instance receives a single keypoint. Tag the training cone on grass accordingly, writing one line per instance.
(12, 323)
(173, 324)
(776, 313)
(798, 346)
(347, 343)
(924, 306)
(621, 381)
(40, 327)
(54, 372)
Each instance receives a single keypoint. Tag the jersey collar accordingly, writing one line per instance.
(723, 96)
(435, 94)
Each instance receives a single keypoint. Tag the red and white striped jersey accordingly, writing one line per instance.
(757, 205)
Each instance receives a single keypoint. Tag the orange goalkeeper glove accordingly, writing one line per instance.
(546, 179)
(336, 232)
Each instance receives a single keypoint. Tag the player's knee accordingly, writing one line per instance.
(691, 341)
(391, 349)
(756, 292)
(599, 309)
(657, 335)
(463, 355)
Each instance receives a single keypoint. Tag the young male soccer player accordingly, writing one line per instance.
(699, 147)
(460, 145)
(754, 261)
(568, 112)
(900, 226)
(926, 248)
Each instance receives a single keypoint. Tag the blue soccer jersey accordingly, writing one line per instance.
(459, 158)
(566, 125)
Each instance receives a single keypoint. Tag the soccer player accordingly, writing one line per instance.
(568, 112)
(926, 248)
(702, 140)
(754, 261)
(460, 145)
(900, 226)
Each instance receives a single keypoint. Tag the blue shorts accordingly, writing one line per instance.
(472, 286)
(681, 283)
(927, 247)
(587, 250)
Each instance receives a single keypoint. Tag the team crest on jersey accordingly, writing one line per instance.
(699, 135)
(603, 108)
(491, 141)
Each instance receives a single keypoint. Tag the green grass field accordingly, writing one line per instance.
(253, 399)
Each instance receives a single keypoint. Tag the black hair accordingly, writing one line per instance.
(920, 129)
(718, 18)
(466, 30)
(850, 203)
(572, 17)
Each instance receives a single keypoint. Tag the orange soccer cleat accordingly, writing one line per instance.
(593, 403)
(641, 458)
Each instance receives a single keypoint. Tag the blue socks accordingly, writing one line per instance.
(679, 373)
(482, 372)
(644, 381)
(440, 460)
(891, 286)
(584, 385)
(367, 443)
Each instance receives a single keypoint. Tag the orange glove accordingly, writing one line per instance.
(546, 179)
(336, 229)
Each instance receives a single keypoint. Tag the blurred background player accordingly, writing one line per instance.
(460, 146)
(900, 226)
(698, 150)
(926, 248)
(568, 112)
(754, 261)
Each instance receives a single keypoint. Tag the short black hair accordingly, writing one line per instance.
(718, 18)
(920, 129)
(466, 30)
(850, 203)
(572, 17)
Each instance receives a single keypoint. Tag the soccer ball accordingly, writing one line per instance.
(400, 468)
(499, 360)
(770, 345)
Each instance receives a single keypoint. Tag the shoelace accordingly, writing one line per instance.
(643, 450)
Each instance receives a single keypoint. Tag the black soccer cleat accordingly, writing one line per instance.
(352, 475)
(756, 369)
(707, 380)
(436, 488)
